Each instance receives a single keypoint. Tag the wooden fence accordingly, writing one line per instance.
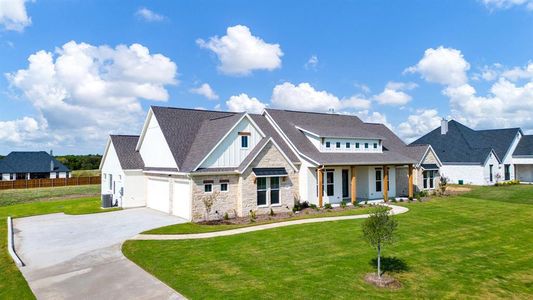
(39, 183)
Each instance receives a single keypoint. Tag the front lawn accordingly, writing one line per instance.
(12, 284)
(16, 196)
(455, 247)
(187, 228)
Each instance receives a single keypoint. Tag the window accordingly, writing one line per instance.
(428, 179)
(104, 176)
(208, 187)
(223, 187)
(366, 145)
(357, 145)
(261, 191)
(244, 141)
(375, 145)
(330, 187)
(490, 173)
(110, 183)
(328, 144)
(348, 145)
(337, 145)
(274, 190)
(378, 180)
(507, 169)
(345, 184)
(431, 179)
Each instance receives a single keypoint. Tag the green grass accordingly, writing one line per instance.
(453, 248)
(12, 284)
(187, 228)
(508, 193)
(16, 196)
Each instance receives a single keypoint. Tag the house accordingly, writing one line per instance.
(427, 169)
(481, 157)
(253, 162)
(32, 165)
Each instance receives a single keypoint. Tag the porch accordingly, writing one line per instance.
(355, 183)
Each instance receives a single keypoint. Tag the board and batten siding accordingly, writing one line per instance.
(229, 152)
(154, 148)
(111, 166)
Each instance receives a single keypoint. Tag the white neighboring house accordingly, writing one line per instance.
(481, 157)
(32, 165)
(122, 172)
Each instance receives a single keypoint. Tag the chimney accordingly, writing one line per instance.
(443, 126)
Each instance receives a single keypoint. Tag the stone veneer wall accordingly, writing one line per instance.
(269, 157)
(226, 201)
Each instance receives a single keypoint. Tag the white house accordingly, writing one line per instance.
(481, 157)
(253, 162)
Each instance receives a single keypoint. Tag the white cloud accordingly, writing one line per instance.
(13, 15)
(394, 94)
(84, 92)
(243, 102)
(311, 63)
(418, 124)
(304, 97)
(488, 73)
(206, 91)
(148, 15)
(240, 52)
(374, 117)
(442, 65)
(506, 4)
(18, 131)
(518, 73)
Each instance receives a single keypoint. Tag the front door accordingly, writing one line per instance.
(345, 184)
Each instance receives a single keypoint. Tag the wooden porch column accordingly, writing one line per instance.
(320, 186)
(411, 181)
(353, 185)
(385, 183)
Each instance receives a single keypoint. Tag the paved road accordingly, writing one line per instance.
(79, 257)
(395, 210)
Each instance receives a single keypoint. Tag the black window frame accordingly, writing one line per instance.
(224, 187)
(507, 172)
(244, 142)
(330, 183)
(328, 145)
(262, 191)
(379, 179)
(348, 145)
(208, 190)
(357, 145)
(337, 145)
(366, 145)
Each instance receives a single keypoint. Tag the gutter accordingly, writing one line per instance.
(11, 244)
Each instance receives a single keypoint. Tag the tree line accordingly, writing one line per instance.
(80, 162)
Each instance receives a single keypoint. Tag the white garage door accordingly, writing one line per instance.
(182, 199)
(157, 194)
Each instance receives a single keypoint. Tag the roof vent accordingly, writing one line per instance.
(443, 126)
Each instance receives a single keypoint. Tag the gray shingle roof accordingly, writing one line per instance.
(269, 131)
(417, 151)
(125, 147)
(525, 146)
(465, 145)
(335, 131)
(394, 148)
(30, 162)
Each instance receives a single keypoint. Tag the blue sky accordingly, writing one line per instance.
(403, 63)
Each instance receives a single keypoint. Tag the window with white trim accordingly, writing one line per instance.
(328, 144)
(208, 187)
(224, 187)
(428, 179)
(379, 181)
(348, 145)
(268, 191)
(244, 141)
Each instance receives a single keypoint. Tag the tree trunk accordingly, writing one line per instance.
(379, 260)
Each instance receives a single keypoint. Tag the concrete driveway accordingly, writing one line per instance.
(79, 257)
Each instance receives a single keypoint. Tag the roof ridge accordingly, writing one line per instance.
(194, 109)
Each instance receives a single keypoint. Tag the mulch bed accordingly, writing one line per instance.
(385, 281)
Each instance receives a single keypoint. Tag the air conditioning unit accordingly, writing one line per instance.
(107, 200)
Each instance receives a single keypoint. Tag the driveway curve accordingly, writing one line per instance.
(80, 257)
(395, 210)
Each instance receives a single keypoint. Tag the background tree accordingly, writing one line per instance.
(378, 230)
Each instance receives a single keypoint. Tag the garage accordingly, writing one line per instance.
(158, 194)
(181, 199)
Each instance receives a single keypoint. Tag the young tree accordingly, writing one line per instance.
(209, 200)
(378, 229)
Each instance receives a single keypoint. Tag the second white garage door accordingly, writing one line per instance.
(157, 194)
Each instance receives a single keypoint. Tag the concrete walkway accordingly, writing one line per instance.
(395, 210)
(80, 257)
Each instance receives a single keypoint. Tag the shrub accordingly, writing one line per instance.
(394, 200)
(401, 199)
(327, 206)
(343, 204)
(313, 206)
(366, 202)
(272, 213)
(253, 216)
(226, 216)
(410, 198)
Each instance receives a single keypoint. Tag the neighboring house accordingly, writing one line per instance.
(481, 157)
(253, 162)
(32, 165)
(427, 169)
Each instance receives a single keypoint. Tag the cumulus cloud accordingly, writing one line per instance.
(148, 15)
(83, 92)
(243, 102)
(442, 65)
(394, 94)
(206, 91)
(19, 131)
(305, 97)
(311, 63)
(506, 4)
(240, 53)
(418, 124)
(374, 117)
(509, 102)
(13, 15)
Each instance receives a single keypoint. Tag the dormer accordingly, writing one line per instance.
(343, 140)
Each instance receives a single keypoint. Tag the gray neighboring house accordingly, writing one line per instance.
(254, 162)
(32, 165)
(481, 157)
